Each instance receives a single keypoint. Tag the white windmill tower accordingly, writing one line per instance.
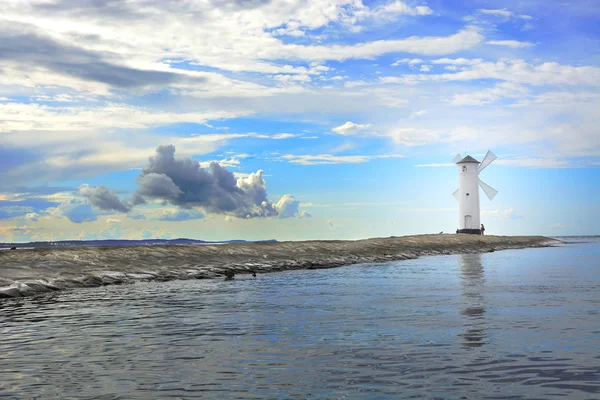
(467, 193)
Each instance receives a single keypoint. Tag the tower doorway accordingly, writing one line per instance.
(468, 222)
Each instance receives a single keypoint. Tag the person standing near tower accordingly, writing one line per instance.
(482, 229)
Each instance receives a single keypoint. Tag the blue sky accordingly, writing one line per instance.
(295, 120)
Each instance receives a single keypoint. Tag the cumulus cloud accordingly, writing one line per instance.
(287, 207)
(183, 182)
(103, 198)
(32, 217)
(350, 128)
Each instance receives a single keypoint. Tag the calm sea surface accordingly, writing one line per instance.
(511, 324)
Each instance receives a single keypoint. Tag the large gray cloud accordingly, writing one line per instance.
(182, 182)
(103, 198)
(24, 45)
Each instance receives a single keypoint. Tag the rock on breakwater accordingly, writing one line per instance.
(33, 271)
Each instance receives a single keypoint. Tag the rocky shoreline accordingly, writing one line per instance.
(28, 272)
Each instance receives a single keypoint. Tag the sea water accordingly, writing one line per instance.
(509, 324)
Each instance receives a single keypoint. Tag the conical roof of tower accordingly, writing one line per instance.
(468, 159)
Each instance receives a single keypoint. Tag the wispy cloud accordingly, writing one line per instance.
(515, 44)
(350, 128)
(501, 214)
(320, 159)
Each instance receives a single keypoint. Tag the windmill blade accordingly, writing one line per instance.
(456, 194)
(489, 191)
(456, 158)
(487, 160)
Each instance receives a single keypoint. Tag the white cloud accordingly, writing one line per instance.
(320, 159)
(343, 147)
(499, 91)
(424, 68)
(409, 61)
(280, 136)
(393, 9)
(500, 13)
(354, 204)
(500, 214)
(287, 207)
(21, 117)
(350, 128)
(248, 42)
(175, 214)
(410, 136)
(32, 217)
(418, 113)
(541, 162)
(436, 165)
(560, 98)
(225, 162)
(518, 71)
(457, 61)
(352, 84)
(510, 43)
(462, 40)
(504, 13)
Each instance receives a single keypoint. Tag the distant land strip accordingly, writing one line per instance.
(34, 271)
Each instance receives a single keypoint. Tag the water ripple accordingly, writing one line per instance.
(504, 325)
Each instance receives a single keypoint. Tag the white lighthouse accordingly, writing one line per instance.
(467, 193)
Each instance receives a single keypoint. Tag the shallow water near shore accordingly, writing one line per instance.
(507, 324)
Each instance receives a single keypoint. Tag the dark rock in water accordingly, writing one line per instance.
(229, 275)
(13, 248)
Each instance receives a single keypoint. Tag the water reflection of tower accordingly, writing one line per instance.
(472, 282)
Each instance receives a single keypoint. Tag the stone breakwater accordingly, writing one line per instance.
(32, 271)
